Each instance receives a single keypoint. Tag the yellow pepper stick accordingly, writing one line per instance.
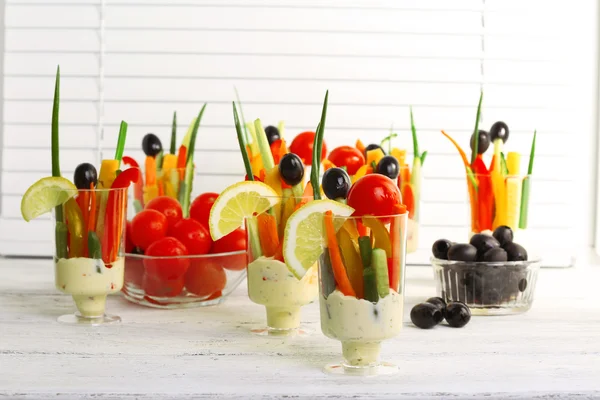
(380, 234)
(513, 189)
(108, 173)
(352, 262)
(498, 186)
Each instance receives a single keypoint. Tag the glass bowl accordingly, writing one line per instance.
(488, 288)
(206, 280)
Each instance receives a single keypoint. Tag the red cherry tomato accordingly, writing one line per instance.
(200, 207)
(374, 194)
(302, 146)
(161, 287)
(205, 277)
(147, 227)
(347, 156)
(128, 241)
(235, 241)
(173, 266)
(194, 236)
(167, 206)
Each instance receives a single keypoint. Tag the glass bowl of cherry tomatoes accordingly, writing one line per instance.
(171, 260)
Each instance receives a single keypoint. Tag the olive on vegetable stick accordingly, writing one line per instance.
(498, 135)
(60, 233)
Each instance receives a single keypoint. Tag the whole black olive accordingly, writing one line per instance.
(151, 145)
(291, 169)
(85, 175)
(373, 146)
(462, 252)
(426, 315)
(457, 314)
(336, 183)
(496, 254)
(389, 167)
(484, 141)
(440, 248)
(499, 131)
(440, 304)
(503, 234)
(483, 243)
(272, 134)
(515, 252)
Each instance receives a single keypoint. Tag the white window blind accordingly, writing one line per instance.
(141, 60)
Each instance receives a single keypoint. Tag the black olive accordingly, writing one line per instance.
(151, 145)
(522, 285)
(457, 314)
(462, 252)
(440, 304)
(336, 183)
(85, 175)
(503, 234)
(272, 134)
(515, 252)
(425, 315)
(484, 141)
(291, 169)
(483, 243)
(373, 146)
(496, 254)
(499, 131)
(440, 249)
(389, 167)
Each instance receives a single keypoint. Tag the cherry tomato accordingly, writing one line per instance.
(167, 206)
(205, 277)
(173, 265)
(147, 227)
(235, 241)
(302, 145)
(347, 156)
(128, 241)
(161, 287)
(374, 194)
(194, 236)
(200, 207)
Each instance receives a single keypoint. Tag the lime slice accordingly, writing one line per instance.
(44, 195)
(239, 201)
(303, 241)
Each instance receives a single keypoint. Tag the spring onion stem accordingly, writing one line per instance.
(475, 150)
(55, 142)
(242, 144)
(174, 133)
(318, 151)
(237, 96)
(121, 142)
(532, 154)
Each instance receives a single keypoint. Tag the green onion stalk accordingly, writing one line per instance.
(173, 148)
(318, 151)
(189, 166)
(121, 142)
(474, 152)
(527, 187)
(60, 233)
(246, 134)
(418, 161)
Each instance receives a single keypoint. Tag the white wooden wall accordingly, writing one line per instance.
(139, 60)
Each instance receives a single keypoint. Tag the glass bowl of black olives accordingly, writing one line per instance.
(491, 274)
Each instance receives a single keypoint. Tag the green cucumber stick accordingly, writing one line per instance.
(252, 229)
(95, 249)
(326, 274)
(370, 285)
(364, 245)
(60, 232)
(121, 142)
(173, 148)
(527, 187)
(379, 264)
(476, 130)
(237, 96)
(242, 143)
(281, 128)
(318, 151)
(189, 166)
(263, 146)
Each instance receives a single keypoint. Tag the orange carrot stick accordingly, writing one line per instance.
(181, 161)
(150, 171)
(267, 233)
(337, 265)
(161, 188)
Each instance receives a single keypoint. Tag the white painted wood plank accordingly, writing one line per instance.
(550, 352)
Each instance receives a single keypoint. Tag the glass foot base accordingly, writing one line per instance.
(267, 331)
(78, 319)
(378, 369)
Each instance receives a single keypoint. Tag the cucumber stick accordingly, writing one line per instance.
(415, 181)
(379, 264)
(524, 203)
(364, 244)
(370, 282)
(326, 276)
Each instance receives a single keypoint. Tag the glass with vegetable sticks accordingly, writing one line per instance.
(361, 275)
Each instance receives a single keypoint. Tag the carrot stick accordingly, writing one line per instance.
(339, 271)
(161, 188)
(306, 196)
(362, 229)
(92, 217)
(181, 161)
(267, 232)
(150, 171)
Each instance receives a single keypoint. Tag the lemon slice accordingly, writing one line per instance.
(304, 236)
(237, 202)
(44, 195)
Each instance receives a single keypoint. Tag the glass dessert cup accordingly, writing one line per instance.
(501, 202)
(271, 284)
(488, 288)
(205, 279)
(369, 310)
(88, 259)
